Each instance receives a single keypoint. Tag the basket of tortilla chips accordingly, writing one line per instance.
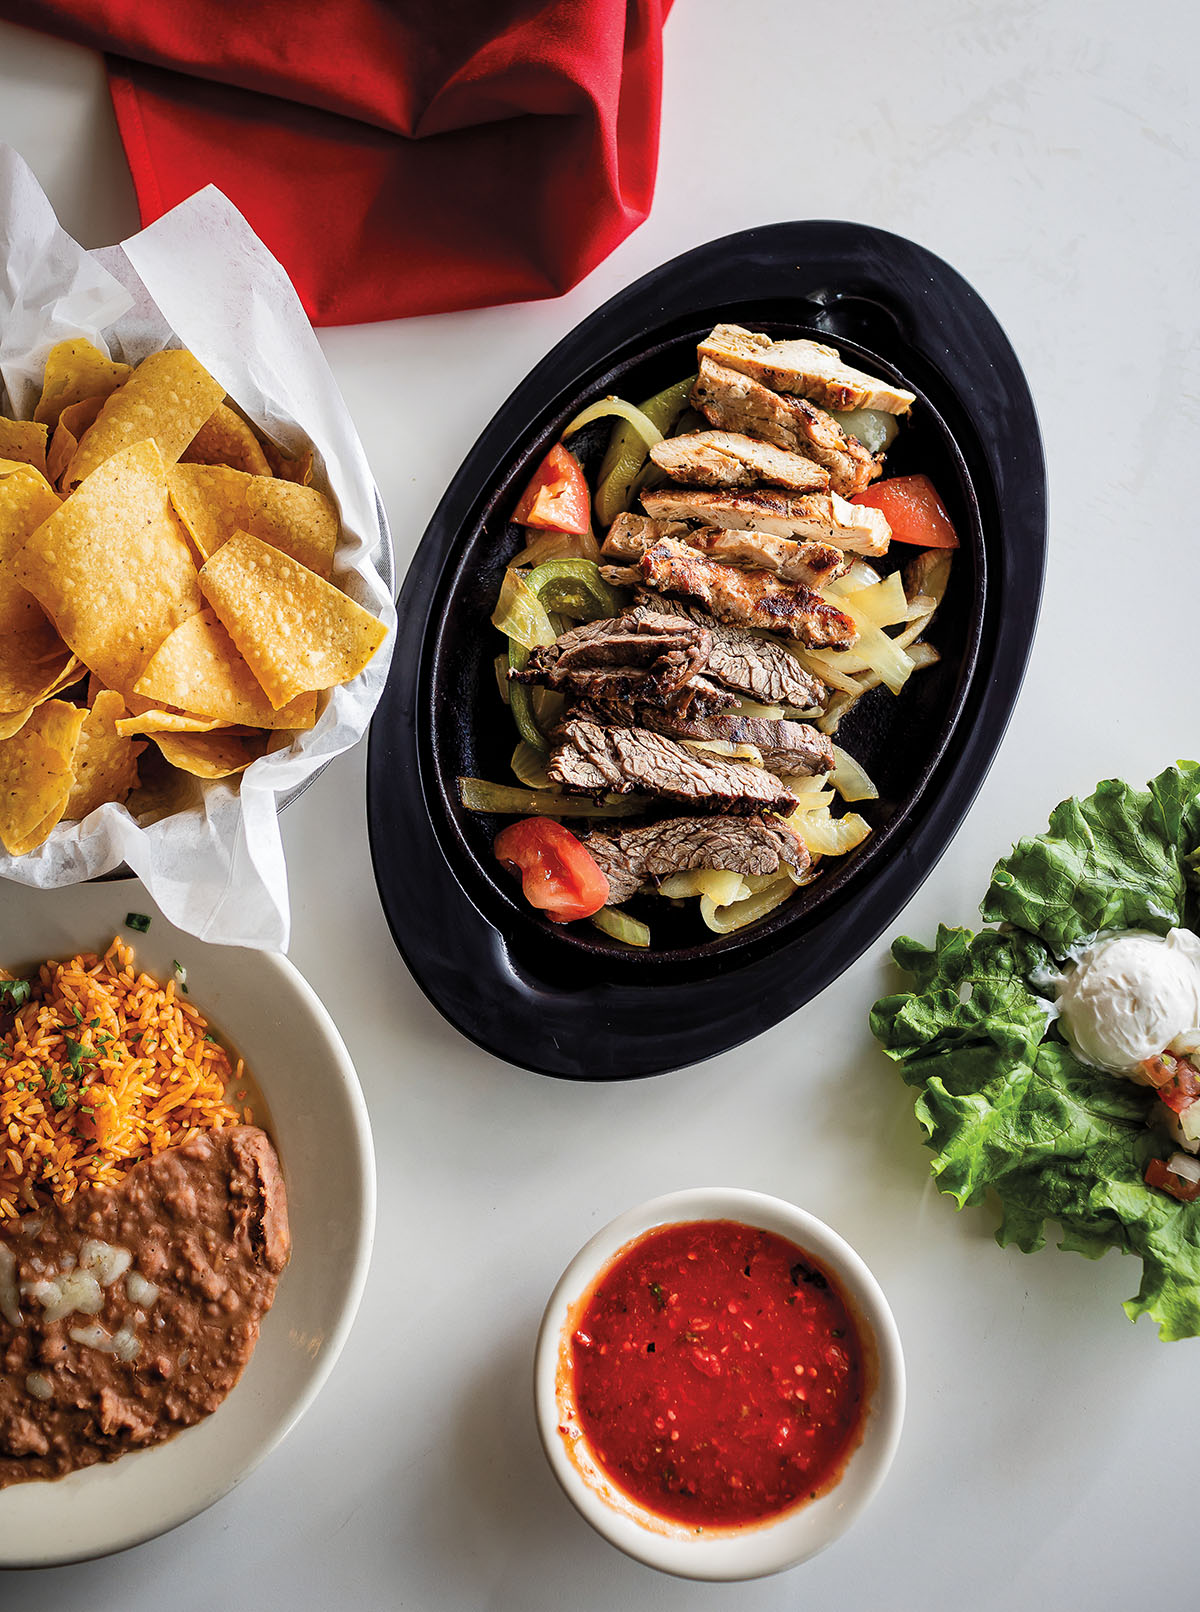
(195, 572)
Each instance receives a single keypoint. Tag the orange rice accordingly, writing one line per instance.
(101, 1068)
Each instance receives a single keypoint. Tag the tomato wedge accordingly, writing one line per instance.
(1182, 1090)
(1158, 1175)
(557, 874)
(557, 496)
(913, 510)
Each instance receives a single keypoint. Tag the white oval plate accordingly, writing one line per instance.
(264, 1010)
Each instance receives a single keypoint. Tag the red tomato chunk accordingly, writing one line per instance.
(557, 496)
(719, 1377)
(913, 510)
(557, 874)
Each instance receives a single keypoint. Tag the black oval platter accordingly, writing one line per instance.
(569, 1001)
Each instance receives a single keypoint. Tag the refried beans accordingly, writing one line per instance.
(129, 1314)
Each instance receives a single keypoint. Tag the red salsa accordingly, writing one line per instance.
(718, 1375)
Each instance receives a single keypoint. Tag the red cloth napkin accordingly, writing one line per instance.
(400, 158)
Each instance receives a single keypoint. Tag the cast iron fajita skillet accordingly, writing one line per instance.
(567, 1000)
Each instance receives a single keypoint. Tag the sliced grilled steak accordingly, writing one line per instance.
(813, 564)
(631, 859)
(592, 758)
(758, 667)
(728, 459)
(739, 403)
(821, 516)
(648, 657)
(803, 368)
(790, 749)
(747, 598)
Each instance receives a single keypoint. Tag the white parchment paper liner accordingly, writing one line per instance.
(199, 278)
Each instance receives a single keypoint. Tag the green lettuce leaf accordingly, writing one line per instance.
(1005, 1105)
(1115, 860)
(1007, 1108)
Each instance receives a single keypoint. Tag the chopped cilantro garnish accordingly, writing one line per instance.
(658, 1295)
(15, 993)
(59, 1096)
(78, 1012)
(211, 1038)
(76, 1053)
(137, 920)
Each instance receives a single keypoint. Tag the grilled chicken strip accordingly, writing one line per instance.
(739, 403)
(632, 859)
(728, 459)
(823, 517)
(813, 564)
(593, 758)
(805, 369)
(742, 660)
(748, 598)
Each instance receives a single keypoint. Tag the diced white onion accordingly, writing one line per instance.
(1184, 1166)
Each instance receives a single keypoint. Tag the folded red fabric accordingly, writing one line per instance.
(401, 158)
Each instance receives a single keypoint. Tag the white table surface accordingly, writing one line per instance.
(1048, 150)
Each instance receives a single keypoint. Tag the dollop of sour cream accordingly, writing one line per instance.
(1129, 996)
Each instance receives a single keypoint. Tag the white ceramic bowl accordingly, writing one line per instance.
(316, 1115)
(735, 1553)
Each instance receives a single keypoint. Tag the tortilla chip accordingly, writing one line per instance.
(214, 502)
(289, 467)
(112, 567)
(24, 440)
(60, 723)
(13, 721)
(72, 423)
(167, 398)
(74, 370)
(33, 666)
(26, 500)
(162, 789)
(198, 668)
(36, 769)
(155, 721)
(226, 439)
(295, 631)
(105, 762)
(211, 755)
